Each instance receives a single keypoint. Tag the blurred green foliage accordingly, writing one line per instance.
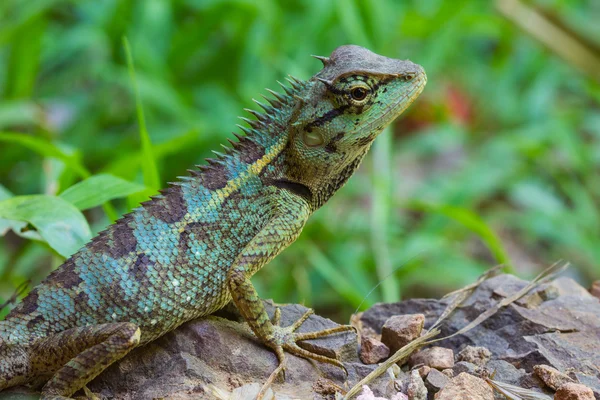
(496, 162)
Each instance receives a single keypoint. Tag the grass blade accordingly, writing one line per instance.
(149, 168)
(473, 222)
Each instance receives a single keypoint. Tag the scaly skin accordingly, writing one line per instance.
(191, 250)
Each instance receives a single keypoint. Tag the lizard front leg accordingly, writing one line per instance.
(279, 232)
(82, 354)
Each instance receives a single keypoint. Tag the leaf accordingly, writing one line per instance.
(58, 222)
(99, 189)
(7, 224)
(46, 149)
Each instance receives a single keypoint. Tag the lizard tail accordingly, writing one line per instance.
(14, 365)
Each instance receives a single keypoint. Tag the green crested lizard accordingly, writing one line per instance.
(191, 250)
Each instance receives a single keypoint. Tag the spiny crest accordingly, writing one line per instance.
(258, 134)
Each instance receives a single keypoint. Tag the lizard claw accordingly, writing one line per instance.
(285, 338)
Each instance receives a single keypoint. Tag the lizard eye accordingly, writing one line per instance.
(359, 93)
(313, 139)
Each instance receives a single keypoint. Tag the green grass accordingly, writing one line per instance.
(497, 161)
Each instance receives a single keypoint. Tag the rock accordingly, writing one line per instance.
(424, 370)
(595, 289)
(372, 351)
(326, 388)
(367, 394)
(416, 389)
(436, 380)
(434, 357)
(217, 351)
(556, 325)
(399, 330)
(465, 366)
(250, 391)
(466, 387)
(562, 331)
(552, 377)
(448, 372)
(574, 391)
(475, 354)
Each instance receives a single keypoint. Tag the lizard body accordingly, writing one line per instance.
(192, 249)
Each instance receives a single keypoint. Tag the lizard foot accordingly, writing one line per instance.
(285, 338)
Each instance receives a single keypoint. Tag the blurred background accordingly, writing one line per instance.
(496, 162)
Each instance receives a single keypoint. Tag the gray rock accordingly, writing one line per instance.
(558, 324)
(219, 352)
(416, 389)
(466, 387)
(475, 354)
(436, 380)
(464, 366)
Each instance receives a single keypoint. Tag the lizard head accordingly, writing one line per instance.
(342, 110)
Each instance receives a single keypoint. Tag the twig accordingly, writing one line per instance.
(464, 293)
(512, 392)
(565, 42)
(401, 355)
(546, 275)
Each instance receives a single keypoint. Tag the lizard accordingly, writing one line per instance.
(192, 249)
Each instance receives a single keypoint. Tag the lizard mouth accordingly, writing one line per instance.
(400, 104)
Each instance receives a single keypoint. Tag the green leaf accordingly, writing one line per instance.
(58, 222)
(4, 193)
(46, 149)
(17, 227)
(99, 189)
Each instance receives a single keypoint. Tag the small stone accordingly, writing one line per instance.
(504, 372)
(552, 377)
(595, 289)
(475, 354)
(449, 372)
(464, 366)
(436, 380)
(424, 370)
(367, 394)
(326, 387)
(372, 350)
(399, 330)
(574, 391)
(435, 357)
(416, 389)
(466, 387)
(250, 391)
